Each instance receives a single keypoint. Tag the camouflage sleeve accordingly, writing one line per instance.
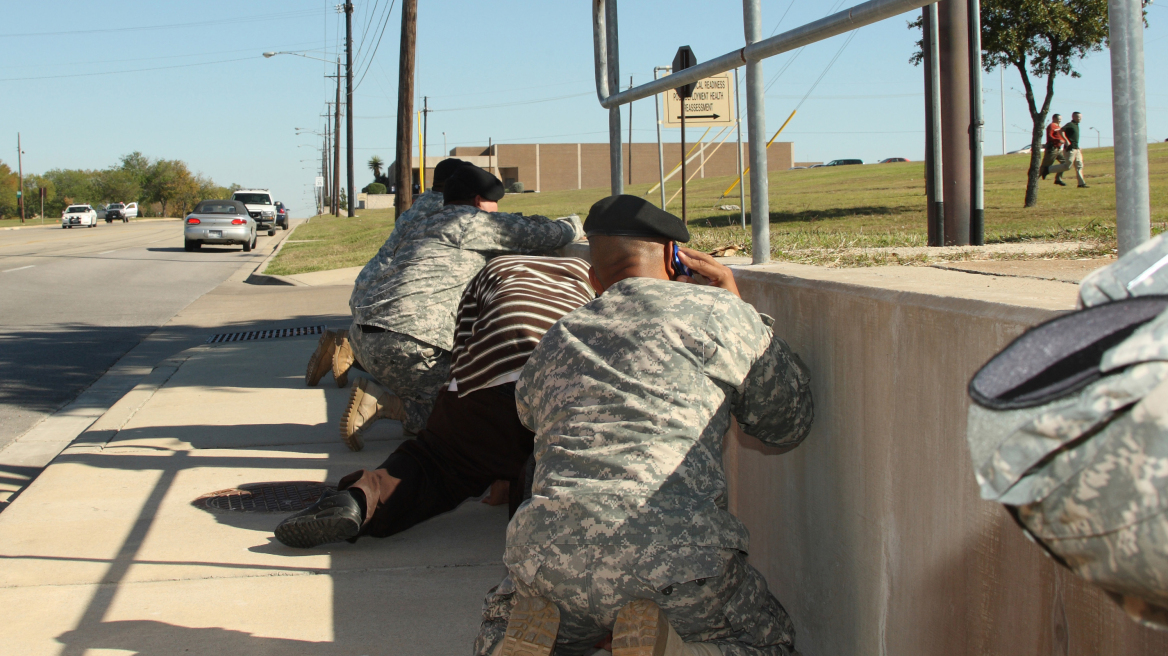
(522, 404)
(511, 233)
(772, 401)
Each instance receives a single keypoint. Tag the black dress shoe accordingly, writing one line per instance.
(1082, 186)
(1060, 183)
(335, 517)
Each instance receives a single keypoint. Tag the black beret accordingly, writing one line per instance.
(445, 169)
(631, 216)
(469, 181)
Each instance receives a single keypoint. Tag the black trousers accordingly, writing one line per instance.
(468, 443)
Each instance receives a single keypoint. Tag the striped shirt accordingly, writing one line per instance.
(505, 311)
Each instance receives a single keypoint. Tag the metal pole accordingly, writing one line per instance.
(425, 135)
(336, 204)
(1132, 202)
(760, 210)
(630, 135)
(1002, 89)
(352, 200)
(738, 120)
(405, 109)
(684, 177)
(660, 149)
(953, 37)
(976, 127)
(936, 189)
(616, 160)
(20, 175)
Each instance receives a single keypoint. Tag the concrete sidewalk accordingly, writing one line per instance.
(105, 552)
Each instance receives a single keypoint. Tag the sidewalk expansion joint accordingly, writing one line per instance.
(946, 267)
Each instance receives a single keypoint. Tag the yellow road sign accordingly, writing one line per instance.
(712, 104)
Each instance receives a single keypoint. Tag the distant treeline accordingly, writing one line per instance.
(163, 187)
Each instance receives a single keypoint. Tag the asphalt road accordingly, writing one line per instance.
(72, 302)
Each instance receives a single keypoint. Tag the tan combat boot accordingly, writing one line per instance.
(342, 358)
(367, 403)
(531, 629)
(322, 358)
(642, 629)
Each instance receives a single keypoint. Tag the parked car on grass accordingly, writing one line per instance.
(844, 162)
(79, 215)
(894, 160)
(1024, 150)
(121, 212)
(219, 222)
(260, 207)
(281, 215)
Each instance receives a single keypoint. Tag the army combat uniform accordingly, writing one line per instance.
(1069, 430)
(404, 302)
(629, 397)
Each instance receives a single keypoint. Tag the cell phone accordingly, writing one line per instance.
(679, 269)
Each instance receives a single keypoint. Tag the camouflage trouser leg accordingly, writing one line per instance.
(412, 369)
(710, 595)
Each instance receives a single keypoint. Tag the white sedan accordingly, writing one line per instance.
(79, 215)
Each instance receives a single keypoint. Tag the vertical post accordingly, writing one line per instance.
(20, 176)
(42, 193)
(579, 169)
(615, 156)
(738, 121)
(976, 130)
(324, 172)
(1002, 88)
(953, 37)
(425, 136)
(491, 156)
(421, 154)
(760, 211)
(934, 167)
(660, 149)
(405, 108)
(537, 189)
(336, 204)
(684, 218)
(630, 135)
(352, 200)
(1132, 202)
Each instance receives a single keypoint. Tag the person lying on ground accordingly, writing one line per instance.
(473, 436)
(333, 351)
(629, 397)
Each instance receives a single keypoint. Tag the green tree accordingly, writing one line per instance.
(32, 195)
(9, 181)
(116, 186)
(375, 164)
(72, 186)
(170, 182)
(1040, 39)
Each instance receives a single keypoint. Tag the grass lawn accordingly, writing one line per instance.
(823, 215)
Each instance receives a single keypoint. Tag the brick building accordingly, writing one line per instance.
(554, 167)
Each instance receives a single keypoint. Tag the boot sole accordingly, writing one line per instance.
(321, 361)
(641, 629)
(343, 352)
(532, 628)
(350, 435)
(309, 532)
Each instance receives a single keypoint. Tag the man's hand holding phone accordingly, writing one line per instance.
(718, 274)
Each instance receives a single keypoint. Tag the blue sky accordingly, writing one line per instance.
(85, 82)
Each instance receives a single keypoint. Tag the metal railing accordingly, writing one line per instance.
(1133, 214)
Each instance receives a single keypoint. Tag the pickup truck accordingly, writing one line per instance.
(122, 211)
(260, 207)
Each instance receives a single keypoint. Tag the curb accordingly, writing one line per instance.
(258, 277)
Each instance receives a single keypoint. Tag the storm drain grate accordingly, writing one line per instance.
(278, 497)
(265, 334)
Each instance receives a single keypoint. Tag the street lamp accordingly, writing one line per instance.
(269, 55)
(1098, 138)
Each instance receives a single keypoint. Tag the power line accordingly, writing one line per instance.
(225, 21)
(135, 70)
(144, 59)
(369, 64)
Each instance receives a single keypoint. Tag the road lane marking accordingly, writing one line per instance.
(18, 268)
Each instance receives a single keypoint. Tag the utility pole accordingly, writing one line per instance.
(352, 200)
(1002, 84)
(336, 204)
(425, 136)
(20, 176)
(953, 37)
(324, 168)
(405, 108)
(976, 128)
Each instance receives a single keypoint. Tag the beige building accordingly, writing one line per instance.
(555, 167)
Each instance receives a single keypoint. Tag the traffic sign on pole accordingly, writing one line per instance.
(711, 104)
(320, 181)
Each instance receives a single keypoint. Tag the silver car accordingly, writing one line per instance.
(219, 222)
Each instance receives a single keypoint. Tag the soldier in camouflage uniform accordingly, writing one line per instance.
(404, 309)
(1084, 468)
(627, 530)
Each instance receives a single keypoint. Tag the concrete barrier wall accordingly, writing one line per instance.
(871, 533)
